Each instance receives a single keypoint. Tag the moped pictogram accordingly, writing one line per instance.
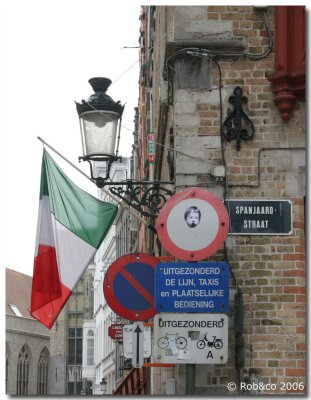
(217, 343)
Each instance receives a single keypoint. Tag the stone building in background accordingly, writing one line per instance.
(222, 91)
(66, 347)
(27, 341)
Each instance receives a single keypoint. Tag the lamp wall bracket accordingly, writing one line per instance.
(146, 197)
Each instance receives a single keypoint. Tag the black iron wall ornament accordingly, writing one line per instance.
(147, 200)
(237, 126)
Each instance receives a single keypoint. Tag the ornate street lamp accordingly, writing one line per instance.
(100, 124)
(100, 120)
(103, 385)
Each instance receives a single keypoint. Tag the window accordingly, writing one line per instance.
(74, 379)
(23, 371)
(74, 388)
(75, 346)
(90, 348)
(42, 379)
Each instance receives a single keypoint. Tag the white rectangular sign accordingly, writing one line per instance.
(137, 344)
(128, 341)
(191, 338)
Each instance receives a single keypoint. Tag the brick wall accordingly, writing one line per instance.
(270, 270)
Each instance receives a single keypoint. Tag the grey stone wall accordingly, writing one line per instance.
(20, 332)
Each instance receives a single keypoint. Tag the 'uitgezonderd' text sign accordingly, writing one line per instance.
(191, 338)
(192, 287)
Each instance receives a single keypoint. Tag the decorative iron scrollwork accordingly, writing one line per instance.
(147, 200)
(237, 126)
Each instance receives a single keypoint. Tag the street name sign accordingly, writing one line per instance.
(128, 341)
(193, 224)
(191, 338)
(260, 217)
(129, 286)
(115, 331)
(192, 287)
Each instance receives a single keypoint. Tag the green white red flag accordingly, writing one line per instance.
(71, 226)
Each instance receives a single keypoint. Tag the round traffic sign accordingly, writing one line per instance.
(129, 286)
(193, 224)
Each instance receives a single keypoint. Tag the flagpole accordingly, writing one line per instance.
(121, 204)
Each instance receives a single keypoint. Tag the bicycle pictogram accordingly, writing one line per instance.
(164, 341)
(217, 343)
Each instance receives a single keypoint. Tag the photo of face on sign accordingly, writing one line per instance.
(193, 224)
(192, 216)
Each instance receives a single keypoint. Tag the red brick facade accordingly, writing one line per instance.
(269, 269)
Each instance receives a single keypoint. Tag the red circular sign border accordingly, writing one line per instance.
(220, 237)
(111, 273)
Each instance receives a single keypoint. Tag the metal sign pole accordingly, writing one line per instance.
(190, 372)
(190, 379)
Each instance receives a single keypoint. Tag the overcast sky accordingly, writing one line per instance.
(49, 52)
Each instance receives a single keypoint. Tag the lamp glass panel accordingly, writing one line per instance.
(100, 132)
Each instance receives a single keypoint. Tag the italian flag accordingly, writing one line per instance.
(71, 226)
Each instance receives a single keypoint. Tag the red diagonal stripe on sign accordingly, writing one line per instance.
(141, 290)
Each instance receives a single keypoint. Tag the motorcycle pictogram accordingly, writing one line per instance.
(217, 343)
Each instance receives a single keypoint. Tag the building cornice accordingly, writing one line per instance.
(27, 333)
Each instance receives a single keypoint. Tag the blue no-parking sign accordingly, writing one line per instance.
(201, 287)
(129, 286)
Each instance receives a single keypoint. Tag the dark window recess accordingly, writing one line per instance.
(74, 388)
(23, 372)
(42, 373)
(148, 124)
(71, 388)
(75, 346)
(79, 352)
(71, 351)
